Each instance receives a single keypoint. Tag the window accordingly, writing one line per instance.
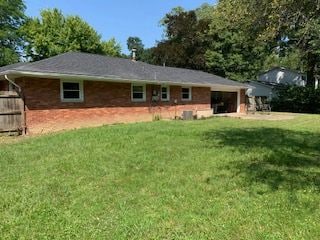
(138, 93)
(71, 91)
(165, 93)
(186, 93)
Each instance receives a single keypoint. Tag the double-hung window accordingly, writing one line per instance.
(138, 92)
(186, 93)
(165, 93)
(71, 91)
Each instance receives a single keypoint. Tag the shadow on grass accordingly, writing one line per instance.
(276, 157)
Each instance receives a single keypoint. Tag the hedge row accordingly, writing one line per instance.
(296, 99)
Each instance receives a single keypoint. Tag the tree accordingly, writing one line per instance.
(234, 51)
(239, 38)
(80, 36)
(111, 48)
(185, 43)
(293, 23)
(11, 18)
(54, 33)
(148, 56)
(136, 43)
(291, 60)
(291, 98)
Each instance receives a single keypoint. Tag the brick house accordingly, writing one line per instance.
(79, 89)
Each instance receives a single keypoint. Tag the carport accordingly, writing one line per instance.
(225, 100)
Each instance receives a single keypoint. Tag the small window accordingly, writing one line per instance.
(186, 93)
(71, 91)
(138, 93)
(165, 93)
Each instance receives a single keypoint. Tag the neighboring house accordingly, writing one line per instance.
(259, 89)
(79, 89)
(279, 75)
(264, 86)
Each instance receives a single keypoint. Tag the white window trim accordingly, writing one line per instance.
(168, 93)
(190, 94)
(70, 99)
(144, 92)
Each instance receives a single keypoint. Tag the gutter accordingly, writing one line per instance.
(117, 79)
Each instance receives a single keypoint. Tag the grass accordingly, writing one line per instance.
(211, 179)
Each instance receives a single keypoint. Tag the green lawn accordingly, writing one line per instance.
(220, 178)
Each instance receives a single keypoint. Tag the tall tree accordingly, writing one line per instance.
(111, 48)
(53, 33)
(136, 43)
(80, 36)
(11, 18)
(234, 52)
(292, 23)
(185, 42)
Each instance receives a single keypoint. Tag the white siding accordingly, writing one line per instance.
(259, 90)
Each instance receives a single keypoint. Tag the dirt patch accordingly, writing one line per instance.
(10, 139)
(261, 116)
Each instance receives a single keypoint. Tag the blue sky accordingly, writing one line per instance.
(118, 18)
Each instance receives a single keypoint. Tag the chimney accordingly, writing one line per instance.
(134, 53)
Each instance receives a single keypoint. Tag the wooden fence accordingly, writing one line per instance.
(12, 118)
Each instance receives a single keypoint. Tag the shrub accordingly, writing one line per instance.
(296, 99)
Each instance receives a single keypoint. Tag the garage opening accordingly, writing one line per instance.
(224, 102)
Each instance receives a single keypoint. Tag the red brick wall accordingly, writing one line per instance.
(3, 85)
(104, 102)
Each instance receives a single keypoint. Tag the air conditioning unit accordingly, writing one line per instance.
(187, 115)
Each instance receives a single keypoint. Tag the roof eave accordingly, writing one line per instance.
(110, 78)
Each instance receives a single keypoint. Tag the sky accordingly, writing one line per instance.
(118, 18)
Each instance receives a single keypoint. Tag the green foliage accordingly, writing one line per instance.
(148, 56)
(142, 54)
(55, 33)
(233, 51)
(111, 48)
(291, 60)
(243, 37)
(297, 99)
(135, 43)
(292, 23)
(80, 36)
(11, 18)
(185, 41)
(205, 11)
(221, 178)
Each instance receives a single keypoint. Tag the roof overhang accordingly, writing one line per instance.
(111, 78)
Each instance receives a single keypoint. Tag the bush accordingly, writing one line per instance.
(296, 99)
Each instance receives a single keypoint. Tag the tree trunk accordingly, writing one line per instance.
(310, 77)
(311, 69)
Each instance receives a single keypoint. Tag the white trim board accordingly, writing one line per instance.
(111, 78)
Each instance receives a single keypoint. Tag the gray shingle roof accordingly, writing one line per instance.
(75, 63)
(12, 66)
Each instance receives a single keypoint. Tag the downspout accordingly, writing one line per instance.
(23, 110)
(12, 82)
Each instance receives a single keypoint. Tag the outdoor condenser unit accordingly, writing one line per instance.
(187, 115)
